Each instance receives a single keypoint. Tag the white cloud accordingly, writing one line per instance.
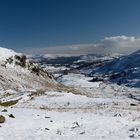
(121, 44)
(116, 44)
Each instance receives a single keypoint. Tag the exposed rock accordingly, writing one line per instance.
(2, 119)
(134, 129)
(97, 79)
(75, 125)
(4, 110)
(82, 133)
(47, 117)
(47, 129)
(20, 60)
(117, 115)
(132, 104)
(133, 136)
(11, 116)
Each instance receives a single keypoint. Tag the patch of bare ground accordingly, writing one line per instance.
(9, 103)
(92, 108)
(57, 87)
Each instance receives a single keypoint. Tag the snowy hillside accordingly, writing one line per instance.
(124, 70)
(17, 71)
(128, 62)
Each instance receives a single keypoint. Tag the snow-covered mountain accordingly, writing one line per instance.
(78, 108)
(17, 71)
(124, 70)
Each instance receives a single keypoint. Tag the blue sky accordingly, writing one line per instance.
(44, 23)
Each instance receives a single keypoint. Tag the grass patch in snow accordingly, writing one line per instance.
(9, 103)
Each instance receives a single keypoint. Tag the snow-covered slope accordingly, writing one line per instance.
(125, 70)
(6, 53)
(129, 62)
(17, 71)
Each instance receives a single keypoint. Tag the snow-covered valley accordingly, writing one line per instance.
(38, 106)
